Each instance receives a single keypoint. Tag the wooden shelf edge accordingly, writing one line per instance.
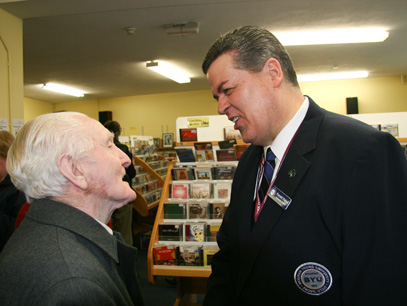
(140, 204)
(191, 143)
(181, 271)
(402, 139)
(158, 219)
(138, 161)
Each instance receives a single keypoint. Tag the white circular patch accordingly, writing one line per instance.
(313, 278)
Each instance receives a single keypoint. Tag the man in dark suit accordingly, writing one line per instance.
(329, 226)
(63, 253)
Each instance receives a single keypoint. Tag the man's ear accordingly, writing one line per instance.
(72, 172)
(273, 68)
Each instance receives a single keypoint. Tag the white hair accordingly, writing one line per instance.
(32, 161)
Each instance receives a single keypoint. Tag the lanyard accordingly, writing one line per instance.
(259, 205)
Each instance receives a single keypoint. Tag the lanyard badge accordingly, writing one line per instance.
(279, 197)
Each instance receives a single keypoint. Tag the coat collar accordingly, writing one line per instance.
(64, 216)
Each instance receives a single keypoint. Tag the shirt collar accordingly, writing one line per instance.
(283, 139)
(106, 227)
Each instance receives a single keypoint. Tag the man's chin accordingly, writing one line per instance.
(131, 196)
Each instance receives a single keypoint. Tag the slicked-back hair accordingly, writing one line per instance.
(32, 160)
(251, 47)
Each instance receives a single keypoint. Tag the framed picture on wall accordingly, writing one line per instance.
(168, 140)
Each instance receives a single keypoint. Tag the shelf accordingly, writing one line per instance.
(162, 270)
(182, 271)
(140, 204)
(179, 271)
(191, 143)
(152, 270)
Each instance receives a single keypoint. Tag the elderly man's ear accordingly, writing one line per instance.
(73, 172)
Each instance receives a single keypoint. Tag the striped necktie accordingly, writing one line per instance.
(267, 174)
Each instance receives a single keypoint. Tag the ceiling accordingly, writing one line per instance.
(84, 43)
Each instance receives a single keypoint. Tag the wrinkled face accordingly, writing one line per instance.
(105, 168)
(243, 96)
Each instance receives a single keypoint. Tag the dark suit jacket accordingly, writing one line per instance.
(348, 214)
(61, 256)
(11, 200)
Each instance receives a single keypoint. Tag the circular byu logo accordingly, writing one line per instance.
(313, 278)
(273, 192)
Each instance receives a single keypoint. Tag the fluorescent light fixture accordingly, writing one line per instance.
(168, 71)
(324, 37)
(332, 76)
(63, 89)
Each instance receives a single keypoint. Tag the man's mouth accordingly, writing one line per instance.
(234, 119)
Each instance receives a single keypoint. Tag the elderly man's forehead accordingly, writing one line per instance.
(95, 128)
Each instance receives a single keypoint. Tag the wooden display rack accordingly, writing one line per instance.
(140, 204)
(190, 280)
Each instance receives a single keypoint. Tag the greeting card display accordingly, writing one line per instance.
(200, 190)
(195, 232)
(180, 191)
(188, 134)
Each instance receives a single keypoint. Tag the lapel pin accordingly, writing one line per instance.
(292, 173)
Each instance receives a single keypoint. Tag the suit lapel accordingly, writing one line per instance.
(245, 194)
(254, 238)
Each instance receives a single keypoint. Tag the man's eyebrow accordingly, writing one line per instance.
(216, 97)
(221, 86)
(109, 137)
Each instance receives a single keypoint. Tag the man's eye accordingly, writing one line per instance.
(228, 91)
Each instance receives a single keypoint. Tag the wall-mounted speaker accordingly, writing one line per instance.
(352, 105)
(105, 116)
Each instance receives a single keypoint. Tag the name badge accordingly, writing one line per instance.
(279, 197)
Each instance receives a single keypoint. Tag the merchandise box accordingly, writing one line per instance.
(231, 133)
(195, 232)
(165, 255)
(185, 155)
(223, 172)
(188, 134)
(239, 150)
(180, 190)
(203, 173)
(222, 190)
(227, 144)
(225, 155)
(182, 174)
(217, 210)
(189, 255)
(170, 232)
(174, 211)
(203, 151)
(207, 255)
(211, 232)
(198, 210)
(200, 190)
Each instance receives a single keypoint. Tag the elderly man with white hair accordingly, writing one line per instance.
(63, 253)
